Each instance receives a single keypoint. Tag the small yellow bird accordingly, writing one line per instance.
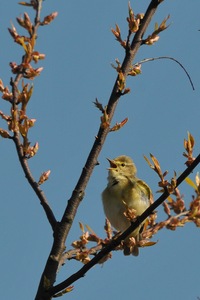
(125, 191)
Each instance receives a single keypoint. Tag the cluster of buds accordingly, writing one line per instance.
(117, 34)
(171, 186)
(194, 213)
(189, 147)
(121, 81)
(25, 124)
(6, 94)
(18, 122)
(26, 23)
(30, 151)
(133, 24)
(105, 120)
(133, 20)
(177, 213)
(154, 37)
(28, 44)
(24, 96)
(163, 183)
(83, 253)
(177, 216)
(177, 205)
(135, 70)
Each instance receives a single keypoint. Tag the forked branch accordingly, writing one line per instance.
(66, 222)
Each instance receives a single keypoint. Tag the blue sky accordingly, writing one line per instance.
(161, 108)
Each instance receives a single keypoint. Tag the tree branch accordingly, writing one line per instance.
(35, 186)
(16, 137)
(66, 222)
(116, 242)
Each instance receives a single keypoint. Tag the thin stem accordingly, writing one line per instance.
(38, 12)
(35, 186)
(171, 58)
(16, 137)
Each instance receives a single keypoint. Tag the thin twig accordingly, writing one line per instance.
(38, 12)
(171, 58)
(16, 137)
(35, 186)
(72, 253)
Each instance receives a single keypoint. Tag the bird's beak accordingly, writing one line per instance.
(112, 163)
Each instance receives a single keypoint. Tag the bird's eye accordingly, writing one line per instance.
(123, 165)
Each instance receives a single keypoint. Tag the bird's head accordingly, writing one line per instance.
(122, 166)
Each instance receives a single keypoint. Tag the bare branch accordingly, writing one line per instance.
(35, 186)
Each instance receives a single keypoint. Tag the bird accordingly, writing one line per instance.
(124, 192)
